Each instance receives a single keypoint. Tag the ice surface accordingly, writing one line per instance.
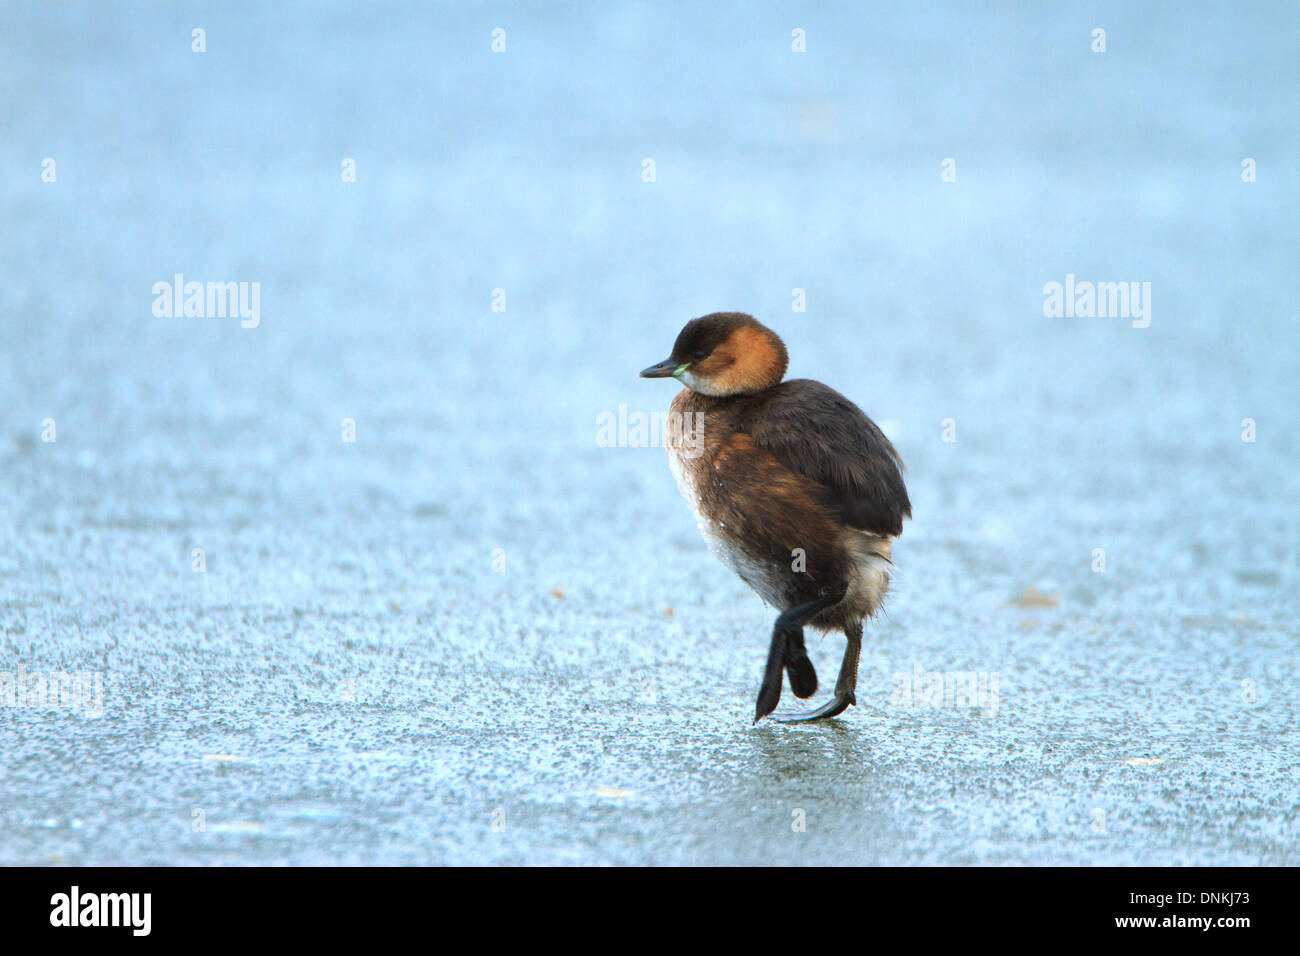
(351, 680)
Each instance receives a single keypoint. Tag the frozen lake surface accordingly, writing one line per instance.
(475, 634)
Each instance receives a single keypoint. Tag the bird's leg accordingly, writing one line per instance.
(798, 666)
(787, 644)
(844, 687)
(769, 692)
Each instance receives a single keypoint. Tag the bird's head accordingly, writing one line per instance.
(726, 353)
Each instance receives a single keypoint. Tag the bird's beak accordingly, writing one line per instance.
(665, 369)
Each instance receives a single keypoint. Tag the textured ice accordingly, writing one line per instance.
(475, 634)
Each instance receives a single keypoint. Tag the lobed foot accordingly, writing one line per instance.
(832, 708)
(787, 652)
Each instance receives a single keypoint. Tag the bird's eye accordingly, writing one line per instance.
(699, 355)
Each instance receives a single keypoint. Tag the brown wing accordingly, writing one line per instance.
(764, 510)
(817, 432)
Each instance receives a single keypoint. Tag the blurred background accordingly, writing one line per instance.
(478, 633)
